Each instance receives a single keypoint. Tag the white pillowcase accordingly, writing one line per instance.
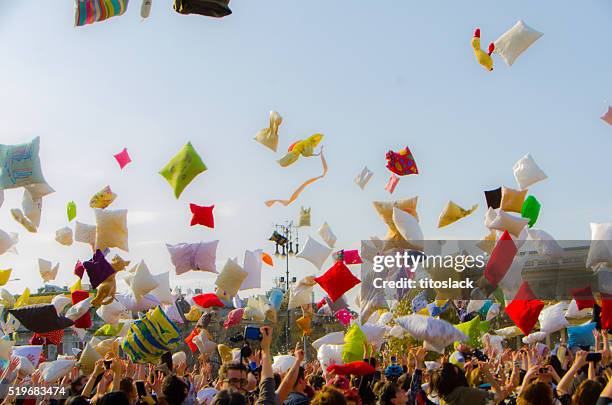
(88, 359)
(252, 265)
(231, 277)
(131, 304)
(527, 172)
(534, 337)
(300, 294)
(574, 313)
(283, 363)
(330, 354)
(314, 252)
(60, 302)
(200, 256)
(57, 370)
(515, 41)
(437, 332)
(374, 333)
(32, 206)
(552, 318)
(85, 233)
(141, 280)
(25, 366)
(363, 177)
(64, 236)
(48, 272)
(327, 235)
(333, 338)
(407, 225)
(506, 222)
(111, 230)
(179, 358)
(545, 244)
(163, 291)
(79, 309)
(111, 313)
(600, 252)
(509, 332)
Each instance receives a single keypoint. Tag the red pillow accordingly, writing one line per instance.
(83, 322)
(352, 257)
(606, 311)
(358, 368)
(79, 269)
(524, 309)
(321, 303)
(54, 337)
(189, 339)
(208, 300)
(202, 215)
(584, 297)
(337, 280)
(233, 317)
(500, 260)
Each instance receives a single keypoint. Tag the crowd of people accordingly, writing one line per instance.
(531, 375)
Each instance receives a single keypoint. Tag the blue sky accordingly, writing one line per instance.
(371, 76)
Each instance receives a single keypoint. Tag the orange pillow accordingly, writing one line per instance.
(385, 210)
(512, 200)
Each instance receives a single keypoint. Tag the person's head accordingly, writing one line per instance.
(447, 378)
(229, 397)
(300, 382)
(233, 375)
(174, 389)
(316, 381)
(329, 396)
(127, 385)
(392, 394)
(352, 397)
(114, 398)
(587, 392)
(77, 400)
(404, 381)
(536, 393)
(76, 386)
(251, 382)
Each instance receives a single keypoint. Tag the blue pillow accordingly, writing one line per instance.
(20, 165)
(581, 335)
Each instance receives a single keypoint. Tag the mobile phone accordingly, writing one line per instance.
(543, 370)
(107, 364)
(252, 333)
(140, 388)
(593, 357)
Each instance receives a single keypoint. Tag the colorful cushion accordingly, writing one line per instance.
(200, 256)
(207, 300)
(40, 318)
(512, 200)
(202, 215)
(85, 233)
(71, 210)
(350, 256)
(493, 197)
(79, 311)
(531, 210)
(91, 11)
(401, 163)
(606, 311)
(111, 229)
(337, 280)
(515, 41)
(600, 252)
(102, 198)
(500, 260)
(453, 213)
(98, 269)
(183, 168)
(471, 329)
(527, 172)
(354, 341)
(314, 252)
(385, 211)
(392, 183)
(268, 137)
(20, 165)
(327, 235)
(233, 318)
(123, 158)
(231, 277)
(581, 335)
(524, 310)
(5, 275)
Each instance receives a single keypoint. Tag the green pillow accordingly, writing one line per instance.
(20, 165)
(353, 344)
(183, 168)
(71, 210)
(531, 210)
(471, 330)
(109, 330)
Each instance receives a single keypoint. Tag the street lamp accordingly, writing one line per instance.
(286, 238)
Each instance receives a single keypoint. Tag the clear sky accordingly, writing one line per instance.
(371, 76)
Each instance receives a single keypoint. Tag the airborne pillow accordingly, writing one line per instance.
(111, 229)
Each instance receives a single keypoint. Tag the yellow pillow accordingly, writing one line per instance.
(385, 210)
(231, 277)
(512, 200)
(4, 276)
(452, 213)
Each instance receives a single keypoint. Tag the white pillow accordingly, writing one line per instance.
(60, 302)
(527, 172)
(327, 235)
(131, 304)
(252, 265)
(283, 363)
(330, 354)
(333, 338)
(111, 313)
(48, 272)
(511, 282)
(64, 236)
(57, 370)
(363, 177)
(204, 344)
(493, 311)
(604, 279)
(142, 282)
(397, 331)
(574, 313)
(534, 337)
(384, 319)
(172, 313)
(301, 293)
(506, 222)
(437, 332)
(7, 297)
(515, 41)
(407, 225)
(552, 318)
(39, 190)
(85, 233)
(374, 333)
(30, 352)
(545, 244)
(200, 256)
(25, 366)
(179, 358)
(163, 291)
(88, 359)
(314, 252)
(600, 252)
(79, 309)
(256, 308)
(231, 277)
(32, 207)
(111, 229)
(509, 332)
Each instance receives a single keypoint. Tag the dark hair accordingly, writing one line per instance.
(127, 385)
(316, 381)
(174, 390)
(77, 381)
(329, 396)
(225, 367)
(76, 400)
(554, 361)
(387, 393)
(536, 393)
(300, 376)
(277, 380)
(229, 397)
(114, 398)
(587, 392)
(447, 378)
(404, 381)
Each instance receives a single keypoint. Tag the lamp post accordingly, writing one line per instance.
(286, 238)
